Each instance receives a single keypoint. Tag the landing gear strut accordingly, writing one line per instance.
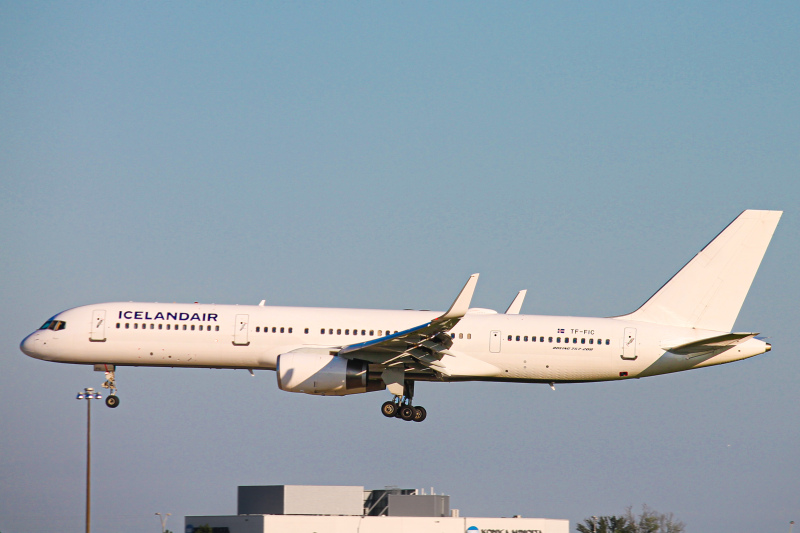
(112, 400)
(401, 406)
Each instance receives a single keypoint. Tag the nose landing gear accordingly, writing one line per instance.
(112, 400)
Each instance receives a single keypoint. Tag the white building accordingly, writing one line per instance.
(351, 509)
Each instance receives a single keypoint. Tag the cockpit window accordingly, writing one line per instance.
(55, 325)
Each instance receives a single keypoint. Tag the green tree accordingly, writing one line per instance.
(649, 521)
(203, 529)
(605, 524)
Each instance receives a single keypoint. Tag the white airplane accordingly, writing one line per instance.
(686, 324)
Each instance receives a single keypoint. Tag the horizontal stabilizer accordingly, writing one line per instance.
(711, 344)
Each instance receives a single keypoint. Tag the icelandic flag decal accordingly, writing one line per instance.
(560, 330)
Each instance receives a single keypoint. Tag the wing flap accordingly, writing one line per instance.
(421, 346)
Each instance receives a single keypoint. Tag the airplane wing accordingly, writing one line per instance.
(516, 305)
(719, 343)
(421, 347)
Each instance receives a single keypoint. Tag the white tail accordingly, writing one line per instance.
(709, 291)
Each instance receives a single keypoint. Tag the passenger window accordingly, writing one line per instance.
(541, 339)
(161, 326)
(372, 333)
(460, 335)
(379, 333)
(509, 337)
(290, 330)
(549, 339)
(117, 325)
(558, 339)
(322, 331)
(363, 332)
(608, 341)
(574, 341)
(566, 339)
(452, 335)
(330, 331)
(216, 328)
(591, 341)
(184, 327)
(306, 331)
(258, 329)
(192, 327)
(469, 336)
(338, 332)
(517, 338)
(347, 332)
(135, 325)
(525, 338)
(127, 326)
(583, 341)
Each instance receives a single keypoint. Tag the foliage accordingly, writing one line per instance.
(203, 529)
(649, 521)
(605, 524)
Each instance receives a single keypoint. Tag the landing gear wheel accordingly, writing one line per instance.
(407, 413)
(389, 409)
(112, 401)
(420, 414)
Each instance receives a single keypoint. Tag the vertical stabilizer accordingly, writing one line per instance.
(709, 291)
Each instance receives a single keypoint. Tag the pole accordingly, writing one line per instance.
(88, 394)
(163, 519)
(88, 466)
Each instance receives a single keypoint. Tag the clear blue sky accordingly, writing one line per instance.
(375, 155)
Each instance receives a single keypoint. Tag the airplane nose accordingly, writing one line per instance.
(31, 344)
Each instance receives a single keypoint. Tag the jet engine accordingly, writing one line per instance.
(324, 374)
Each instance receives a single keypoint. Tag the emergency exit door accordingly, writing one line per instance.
(98, 326)
(240, 331)
(494, 342)
(629, 344)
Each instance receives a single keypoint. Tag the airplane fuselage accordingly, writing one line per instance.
(489, 346)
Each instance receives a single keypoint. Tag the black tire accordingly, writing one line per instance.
(407, 413)
(112, 401)
(420, 414)
(389, 409)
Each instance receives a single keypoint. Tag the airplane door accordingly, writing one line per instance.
(494, 342)
(629, 344)
(98, 326)
(240, 333)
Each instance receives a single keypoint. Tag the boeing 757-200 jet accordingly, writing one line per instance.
(333, 352)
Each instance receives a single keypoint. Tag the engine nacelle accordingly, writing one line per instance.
(324, 374)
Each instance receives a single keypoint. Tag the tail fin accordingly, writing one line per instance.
(709, 291)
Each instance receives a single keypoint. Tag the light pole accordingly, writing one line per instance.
(594, 524)
(791, 525)
(88, 394)
(163, 518)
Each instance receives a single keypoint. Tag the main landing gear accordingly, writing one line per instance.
(112, 400)
(401, 406)
(397, 408)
